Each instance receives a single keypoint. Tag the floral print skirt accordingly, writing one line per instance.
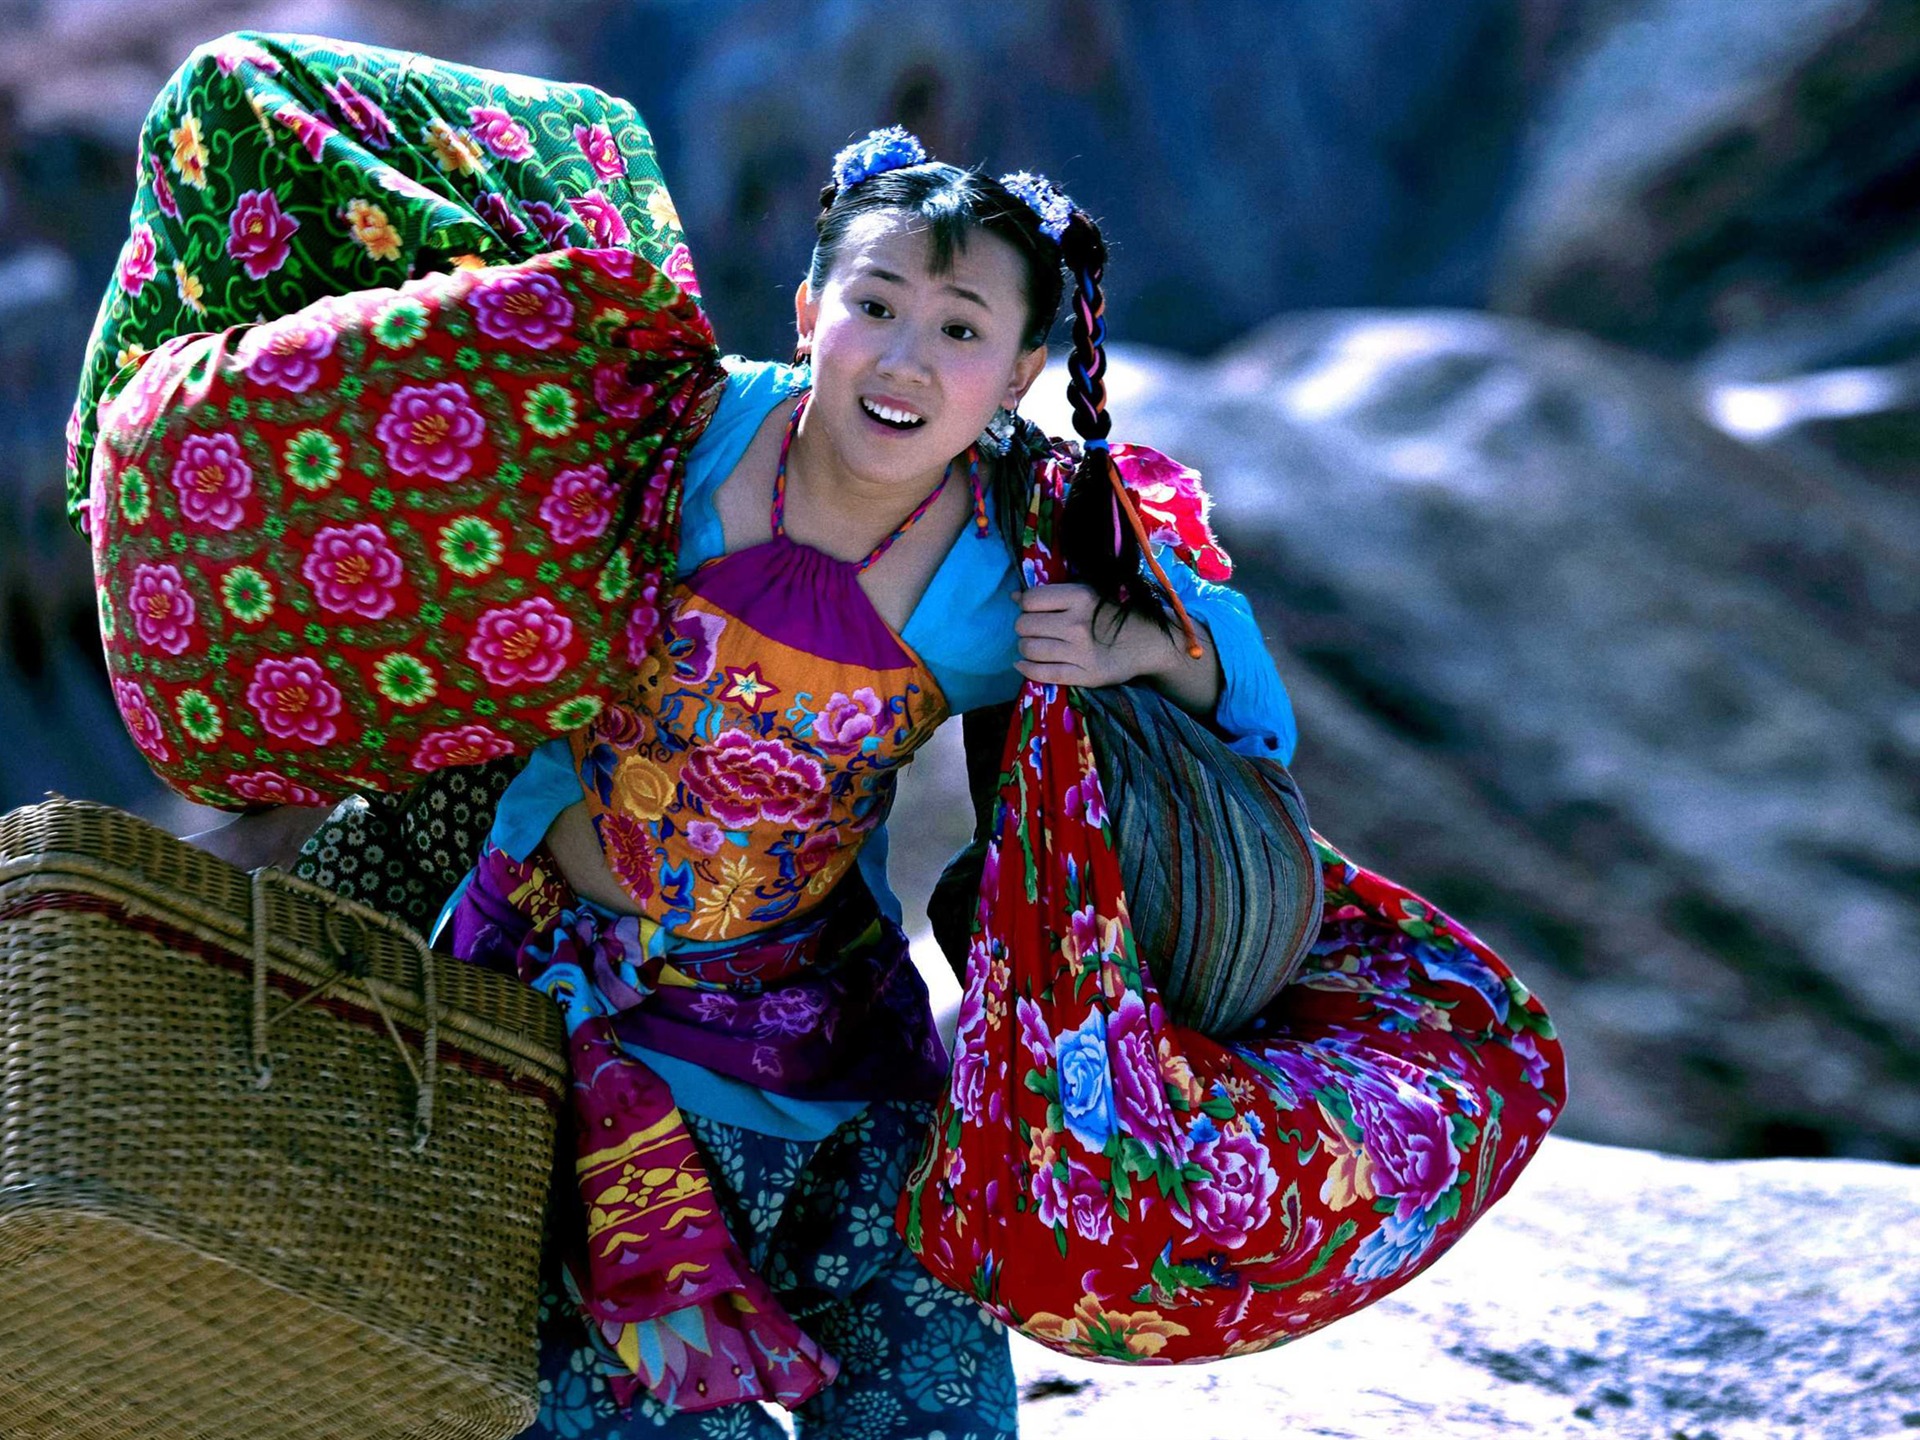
(816, 1218)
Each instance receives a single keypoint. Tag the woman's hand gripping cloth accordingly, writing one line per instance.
(1120, 1188)
(398, 528)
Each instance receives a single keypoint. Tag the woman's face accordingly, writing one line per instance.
(946, 349)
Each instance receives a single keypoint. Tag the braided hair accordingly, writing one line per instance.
(1101, 551)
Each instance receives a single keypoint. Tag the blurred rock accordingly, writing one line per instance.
(1611, 1293)
(1713, 168)
(1635, 702)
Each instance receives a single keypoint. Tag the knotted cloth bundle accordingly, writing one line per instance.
(1120, 1187)
(402, 526)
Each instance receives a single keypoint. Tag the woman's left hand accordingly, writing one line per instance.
(1060, 643)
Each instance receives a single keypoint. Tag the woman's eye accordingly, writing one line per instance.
(868, 306)
(968, 328)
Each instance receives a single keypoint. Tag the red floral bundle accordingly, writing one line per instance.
(1121, 1188)
(396, 530)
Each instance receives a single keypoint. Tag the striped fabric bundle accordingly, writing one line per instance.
(1222, 885)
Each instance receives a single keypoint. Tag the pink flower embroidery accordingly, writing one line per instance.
(368, 120)
(580, 505)
(1139, 1090)
(596, 143)
(161, 607)
(468, 745)
(1088, 796)
(1051, 1194)
(1406, 1137)
(1033, 1032)
(295, 700)
(969, 1081)
(212, 480)
(618, 726)
(742, 779)
(643, 621)
(628, 846)
(601, 217)
(310, 130)
(258, 233)
(1091, 1208)
(500, 132)
(617, 395)
(1173, 506)
(270, 788)
(515, 305)
(163, 189)
(617, 264)
(138, 262)
(523, 644)
(679, 269)
(232, 54)
(1088, 939)
(495, 211)
(353, 570)
(653, 499)
(706, 837)
(553, 225)
(1231, 1202)
(847, 720)
(142, 723)
(431, 430)
(286, 353)
(812, 854)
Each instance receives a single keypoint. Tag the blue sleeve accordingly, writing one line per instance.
(966, 636)
(1254, 713)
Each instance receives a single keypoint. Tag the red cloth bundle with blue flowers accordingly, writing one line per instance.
(1119, 1187)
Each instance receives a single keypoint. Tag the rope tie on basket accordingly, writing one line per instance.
(350, 964)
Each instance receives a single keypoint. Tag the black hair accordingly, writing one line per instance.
(952, 203)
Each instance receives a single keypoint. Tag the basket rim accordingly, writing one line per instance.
(536, 1049)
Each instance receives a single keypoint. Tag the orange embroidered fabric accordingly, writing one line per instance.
(732, 788)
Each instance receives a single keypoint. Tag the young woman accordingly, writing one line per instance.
(714, 914)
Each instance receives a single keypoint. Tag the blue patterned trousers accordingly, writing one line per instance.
(816, 1219)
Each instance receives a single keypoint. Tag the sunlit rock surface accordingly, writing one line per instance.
(1612, 1293)
(1720, 178)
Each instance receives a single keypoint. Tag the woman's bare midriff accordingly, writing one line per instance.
(582, 863)
(894, 584)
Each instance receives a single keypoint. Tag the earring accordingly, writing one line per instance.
(802, 352)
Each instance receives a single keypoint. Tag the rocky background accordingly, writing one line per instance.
(1611, 1293)
(1555, 364)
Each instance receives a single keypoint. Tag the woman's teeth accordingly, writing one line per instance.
(899, 419)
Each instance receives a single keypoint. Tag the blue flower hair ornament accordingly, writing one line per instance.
(1041, 196)
(893, 148)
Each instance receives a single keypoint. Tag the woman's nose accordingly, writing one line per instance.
(903, 359)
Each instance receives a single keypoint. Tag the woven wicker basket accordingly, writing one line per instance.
(198, 1245)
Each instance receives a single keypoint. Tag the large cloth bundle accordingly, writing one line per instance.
(269, 1168)
(392, 529)
(276, 170)
(1120, 1187)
